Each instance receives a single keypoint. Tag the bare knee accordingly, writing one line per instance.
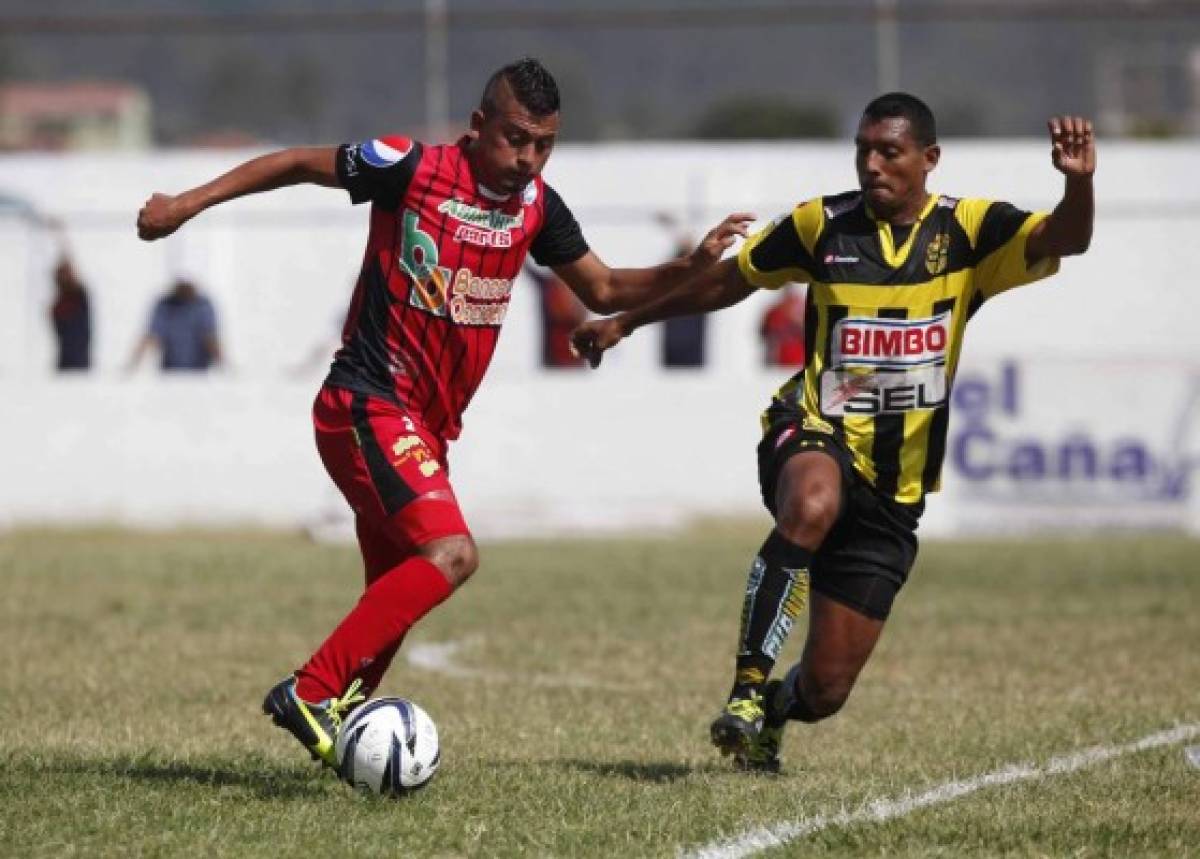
(805, 519)
(808, 498)
(457, 557)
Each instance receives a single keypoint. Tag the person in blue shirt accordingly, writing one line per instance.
(183, 327)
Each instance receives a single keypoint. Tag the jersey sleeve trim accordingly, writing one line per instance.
(1006, 265)
(560, 240)
(378, 170)
(782, 252)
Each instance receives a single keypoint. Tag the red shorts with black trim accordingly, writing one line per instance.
(391, 469)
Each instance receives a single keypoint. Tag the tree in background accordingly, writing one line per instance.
(763, 118)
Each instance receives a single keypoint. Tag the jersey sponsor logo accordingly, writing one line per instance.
(459, 295)
(487, 219)
(483, 238)
(937, 254)
(891, 343)
(381, 155)
(529, 194)
(831, 259)
(890, 392)
(419, 260)
(479, 300)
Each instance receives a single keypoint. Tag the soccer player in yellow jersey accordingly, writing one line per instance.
(853, 442)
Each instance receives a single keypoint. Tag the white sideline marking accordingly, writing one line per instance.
(878, 810)
(441, 657)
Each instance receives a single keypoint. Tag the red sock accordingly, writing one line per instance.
(373, 629)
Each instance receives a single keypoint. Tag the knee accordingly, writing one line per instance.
(806, 519)
(457, 557)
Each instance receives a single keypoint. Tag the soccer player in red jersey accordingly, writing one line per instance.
(451, 226)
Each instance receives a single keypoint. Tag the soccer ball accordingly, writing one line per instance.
(388, 746)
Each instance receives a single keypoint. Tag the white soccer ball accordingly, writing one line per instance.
(388, 746)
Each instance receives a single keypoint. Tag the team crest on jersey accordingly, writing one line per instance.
(937, 254)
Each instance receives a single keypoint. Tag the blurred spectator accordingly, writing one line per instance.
(183, 328)
(683, 337)
(562, 312)
(71, 316)
(782, 330)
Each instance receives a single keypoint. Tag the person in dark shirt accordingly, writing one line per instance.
(562, 312)
(183, 327)
(71, 317)
(683, 337)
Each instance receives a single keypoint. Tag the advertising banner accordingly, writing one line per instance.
(1045, 444)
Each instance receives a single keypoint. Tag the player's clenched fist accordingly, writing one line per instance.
(160, 216)
(591, 339)
(1073, 145)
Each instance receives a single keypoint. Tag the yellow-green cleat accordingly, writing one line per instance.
(737, 727)
(762, 755)
(316, 725)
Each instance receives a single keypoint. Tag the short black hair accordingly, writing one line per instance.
(901, 105)
(531, 83)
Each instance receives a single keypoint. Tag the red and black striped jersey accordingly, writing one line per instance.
(442, 256)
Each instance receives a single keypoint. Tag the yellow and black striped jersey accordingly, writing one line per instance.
(886, 311)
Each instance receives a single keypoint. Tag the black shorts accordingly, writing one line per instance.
(867, 555)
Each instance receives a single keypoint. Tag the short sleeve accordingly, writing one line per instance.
(560, 240)
(999, 232)
(781, 252)
(378, 170)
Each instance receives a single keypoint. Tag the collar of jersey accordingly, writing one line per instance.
(892, 255)
(483, 190)
(488, 193)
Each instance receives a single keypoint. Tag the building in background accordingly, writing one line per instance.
(81, 115)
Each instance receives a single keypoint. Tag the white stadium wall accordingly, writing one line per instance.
(1077, 405)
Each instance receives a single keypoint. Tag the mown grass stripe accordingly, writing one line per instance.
(766, 837)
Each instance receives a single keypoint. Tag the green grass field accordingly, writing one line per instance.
(574, 722)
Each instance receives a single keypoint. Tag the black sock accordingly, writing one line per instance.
(776, 593)
(788, 703)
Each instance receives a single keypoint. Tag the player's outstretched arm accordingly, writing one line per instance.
(722, 285)
(1068, 229)
(607, 290)
(163, 214)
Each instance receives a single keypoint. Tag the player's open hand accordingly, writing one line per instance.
(1073, 145)
(591, 339)
(720, 238)
(161, 215)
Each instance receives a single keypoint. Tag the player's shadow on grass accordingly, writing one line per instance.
(652, 772)
(267, 781)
